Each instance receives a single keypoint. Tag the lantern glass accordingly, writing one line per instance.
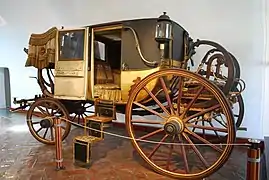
(163, 31)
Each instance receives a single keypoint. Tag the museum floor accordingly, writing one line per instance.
(22, 157)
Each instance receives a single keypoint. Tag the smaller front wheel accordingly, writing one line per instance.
(41, 117)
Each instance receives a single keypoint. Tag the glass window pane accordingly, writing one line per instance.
(71, 45)
(99, 50)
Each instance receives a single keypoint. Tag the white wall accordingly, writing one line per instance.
(237, 25)
(266, 65)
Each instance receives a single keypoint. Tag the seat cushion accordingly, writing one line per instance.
(107, 86)
(109, 74)
(103, 73)
(110, 92)
(99, 74)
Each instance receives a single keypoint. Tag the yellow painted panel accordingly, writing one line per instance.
(69, 88)
(127, 78)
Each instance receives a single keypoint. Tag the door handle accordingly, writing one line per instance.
(124, 67)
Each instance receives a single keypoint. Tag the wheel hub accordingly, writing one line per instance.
(46, 123)
(173, 126)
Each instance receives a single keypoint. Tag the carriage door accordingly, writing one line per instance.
(71, 66)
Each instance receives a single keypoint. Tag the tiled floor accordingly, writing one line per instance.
(22, 157)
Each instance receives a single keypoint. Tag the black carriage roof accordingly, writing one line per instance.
(130, 21)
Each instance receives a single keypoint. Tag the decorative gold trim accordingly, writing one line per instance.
(107, 28)
(56, 50)
(92, 63)
(86, 62)
(72, 29)
(71, 59)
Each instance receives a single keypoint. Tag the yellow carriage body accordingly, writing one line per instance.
(103, 61)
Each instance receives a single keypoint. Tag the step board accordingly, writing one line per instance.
(94, 125)
(104, 109)
(102, 119)
(87, 139)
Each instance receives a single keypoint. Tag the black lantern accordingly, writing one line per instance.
(163, 32)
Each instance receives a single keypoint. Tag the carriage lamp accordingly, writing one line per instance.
(163, 31)
(163, 35)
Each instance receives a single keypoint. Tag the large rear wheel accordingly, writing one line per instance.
(170, 149)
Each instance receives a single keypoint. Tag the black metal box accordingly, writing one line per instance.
(82, 148)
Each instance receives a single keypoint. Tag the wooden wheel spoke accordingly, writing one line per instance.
(82, 117)
(91, 105)
(156, 100)
(157, 147)
(147, 121)
(39, 130)
(58, 110)
(174, 149)
(183, 151)
(165, 90)
(196, 120)
(193, 129)
(79, 118)
(203, 124)
(169, 158)
(45, 134)
(37, 122)
(216, 133)
(74, 117)
(150, 134)
(46, 108)
(208, 128)
(180, 92)
(205, 141)
(174, 82)
(220, 122)
(150, 110)
(201, 112)
(41, 110)
(192, 101)
(197, 152)
(52, 112)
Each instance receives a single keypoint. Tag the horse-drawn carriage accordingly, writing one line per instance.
(140, 68)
